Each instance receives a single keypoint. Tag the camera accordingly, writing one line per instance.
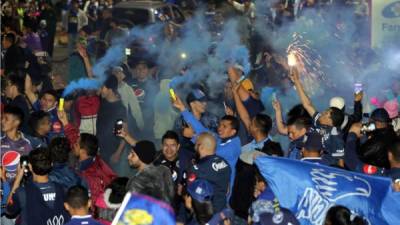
(118, 126)
(368, 127)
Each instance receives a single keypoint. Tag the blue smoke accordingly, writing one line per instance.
(87, 84)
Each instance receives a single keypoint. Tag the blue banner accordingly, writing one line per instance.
(309, 190)
(139, 209)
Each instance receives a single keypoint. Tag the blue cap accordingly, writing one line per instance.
(201, 190)
(282, 217)
(196, 95)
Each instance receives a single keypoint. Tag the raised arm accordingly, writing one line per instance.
(242, 111)
(305, 100)
(357, 113)
(234, 77)
(188, 116)
(28, 90)
(282, 128)
(88, 66)
(123, 133)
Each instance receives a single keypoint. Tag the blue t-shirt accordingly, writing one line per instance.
(83, 220)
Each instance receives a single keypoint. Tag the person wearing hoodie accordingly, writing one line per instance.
(164, 114)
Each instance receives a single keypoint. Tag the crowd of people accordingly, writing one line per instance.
(71, 158)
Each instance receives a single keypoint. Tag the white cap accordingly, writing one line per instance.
(337, 102)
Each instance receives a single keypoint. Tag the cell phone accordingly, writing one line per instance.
(274, 96)
(118, 126)
(128, 51)
(24, 161)
(358, 88)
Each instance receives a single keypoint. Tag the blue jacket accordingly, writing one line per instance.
(65, 176)
(229, 149)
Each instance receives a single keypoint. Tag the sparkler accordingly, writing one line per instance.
(308, 62)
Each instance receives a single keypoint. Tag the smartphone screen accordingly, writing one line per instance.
(358, 88)
(127, 51)
(118, 126)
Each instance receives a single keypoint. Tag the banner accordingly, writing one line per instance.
(385, 23)
(309, 190)
(139, 209)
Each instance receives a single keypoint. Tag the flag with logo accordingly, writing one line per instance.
(139, 209)
(309, 190)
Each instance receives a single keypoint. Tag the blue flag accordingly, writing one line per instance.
(309, 190)
(139, 209)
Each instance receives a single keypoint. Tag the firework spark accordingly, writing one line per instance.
(308, 62)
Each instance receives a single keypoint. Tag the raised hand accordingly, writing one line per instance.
(62, 116)
(276, 105)
(358, 96)
(178, 104)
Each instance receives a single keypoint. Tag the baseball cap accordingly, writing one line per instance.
(201, 190)
(380, 115)
(313, 141)
(392, 107)
(116, 69)
(283, 217)
(238, 67)
(196, 95)
(145, 150)
(337, 102)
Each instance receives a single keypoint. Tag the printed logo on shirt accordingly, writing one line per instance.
(191, 177)
(368, 169)
(219, 166)
(10, 161)
(139, 92)
(57, 127)
(56, 220)
(49, 197)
